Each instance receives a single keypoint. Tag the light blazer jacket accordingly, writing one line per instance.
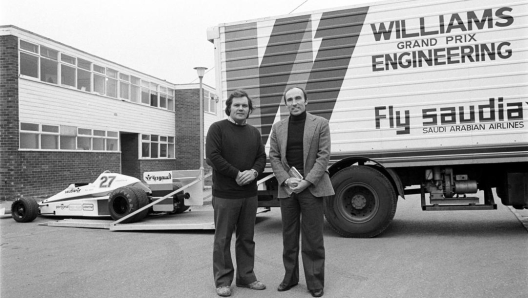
(316, 147)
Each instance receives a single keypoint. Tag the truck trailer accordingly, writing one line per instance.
(422, 97)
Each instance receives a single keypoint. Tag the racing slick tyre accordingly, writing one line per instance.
(122, 202)
(364, 203)
(181, 205)
(24, 210)
(143, 201)
(181, 209)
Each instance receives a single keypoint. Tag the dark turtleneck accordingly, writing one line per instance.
(294, 146)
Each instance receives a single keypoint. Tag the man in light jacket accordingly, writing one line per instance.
(302, 141)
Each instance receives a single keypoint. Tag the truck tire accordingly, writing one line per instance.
(364, 203)
(122, 202)
(24, 210)
(143, 201)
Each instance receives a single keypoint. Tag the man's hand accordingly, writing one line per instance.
(302, 185)
(292, 182)
(245, 177)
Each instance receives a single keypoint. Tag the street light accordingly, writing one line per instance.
(201, 73)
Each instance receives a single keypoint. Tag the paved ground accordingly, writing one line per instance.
(422, 254)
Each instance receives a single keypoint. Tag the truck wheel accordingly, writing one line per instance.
(364, 203)
(122, 202)
(24, 210)
(143, 201)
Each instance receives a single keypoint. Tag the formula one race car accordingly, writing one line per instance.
(111, 194)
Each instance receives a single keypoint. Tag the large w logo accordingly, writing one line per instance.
(288, 61)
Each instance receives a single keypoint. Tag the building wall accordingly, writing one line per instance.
(187, 129)
(36, 173)
(8, 115)
(42, 173)
(45, 103)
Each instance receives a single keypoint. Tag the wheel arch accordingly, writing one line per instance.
(391, 175)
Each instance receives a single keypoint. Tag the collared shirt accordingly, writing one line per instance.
(233, 121)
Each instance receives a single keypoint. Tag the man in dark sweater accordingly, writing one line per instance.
(235, 151)
(302, 141)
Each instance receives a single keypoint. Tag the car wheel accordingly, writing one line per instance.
(122, 202)
(143, 201)
(181, 209)
(24, 210)
(364, 203)
(181, 200)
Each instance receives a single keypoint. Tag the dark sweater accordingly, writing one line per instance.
(230, 149)
(294, 145)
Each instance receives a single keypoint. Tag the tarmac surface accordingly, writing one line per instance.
(422, 254)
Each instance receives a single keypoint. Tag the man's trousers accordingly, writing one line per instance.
(234, 215)
(302, 214)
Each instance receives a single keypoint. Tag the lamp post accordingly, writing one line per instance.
(201, 72)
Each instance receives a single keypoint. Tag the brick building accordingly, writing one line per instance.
(67, 115)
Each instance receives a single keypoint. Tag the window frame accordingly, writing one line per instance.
(161, 140)
(94, 133)
(81, 73)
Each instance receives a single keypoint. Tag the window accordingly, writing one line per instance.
(99, 140)
(29, 136)
(99, 84)
(50, 137)
(48, 71)
(163, 97)
(124, 86)
(54, 67)
(67, 75)
(30, 47)
(63, 137)
(48, 65)
(67, 137)
(212, 104)
(145, 93)
(49, 53)
(111, 73)
(154, 146)
(170, 151)
(84, 75)
(111, 82)
(124, 90)
(84, 139)
(99, 69)
(124, 77)
(33, 136)
(157, 147)
(67, 59)
(145, 146)
(170, 99)
(112, 141)
(134, 89)
(29, 65)
(209, 102)
(153, 94)
(111, 89)
(84, 64)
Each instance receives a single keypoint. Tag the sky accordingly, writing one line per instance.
(162, 38)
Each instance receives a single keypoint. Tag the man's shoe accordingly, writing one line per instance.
(317, 293)
(223, 291)
(256, 285)
(284, 287)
